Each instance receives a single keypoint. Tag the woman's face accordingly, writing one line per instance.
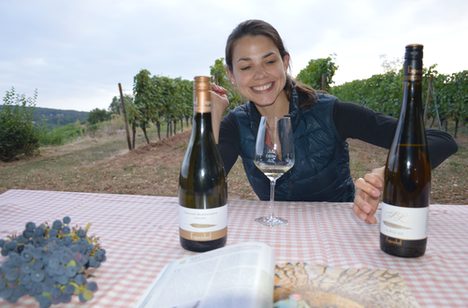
(258, 71)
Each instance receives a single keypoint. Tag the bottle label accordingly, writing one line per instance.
(406, 223)
(413, 74)
(203, 224)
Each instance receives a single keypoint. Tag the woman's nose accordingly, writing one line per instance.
(259, 72)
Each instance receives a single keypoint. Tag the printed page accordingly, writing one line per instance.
(238, 275)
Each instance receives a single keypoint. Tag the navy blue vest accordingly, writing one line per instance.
(321, 169)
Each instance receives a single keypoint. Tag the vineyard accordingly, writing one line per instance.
(445, 97)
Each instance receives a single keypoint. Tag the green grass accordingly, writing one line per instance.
(62, 134)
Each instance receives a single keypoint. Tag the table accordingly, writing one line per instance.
(140, 234)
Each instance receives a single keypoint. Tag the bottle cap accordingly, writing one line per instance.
(413, 65)
(414, 51)
(202, 83)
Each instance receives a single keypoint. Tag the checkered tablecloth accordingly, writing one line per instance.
(140, 234)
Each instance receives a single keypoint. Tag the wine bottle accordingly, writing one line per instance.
(407, 177)
(202, 181)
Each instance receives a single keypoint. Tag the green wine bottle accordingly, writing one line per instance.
(407, 177)
(202, 181)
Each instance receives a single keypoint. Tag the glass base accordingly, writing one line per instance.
(271, 221)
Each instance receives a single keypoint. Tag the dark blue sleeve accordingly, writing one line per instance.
(358, 122)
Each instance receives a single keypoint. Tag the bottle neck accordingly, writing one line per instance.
(202, 123)
(412, 88)
(202, 107)
(411, 122)
(412, 95)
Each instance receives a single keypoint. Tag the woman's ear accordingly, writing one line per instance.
(286, 61)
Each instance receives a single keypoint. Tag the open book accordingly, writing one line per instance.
(245, 275)
(238, 275)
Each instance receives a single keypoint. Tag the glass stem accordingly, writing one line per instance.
(272, 198)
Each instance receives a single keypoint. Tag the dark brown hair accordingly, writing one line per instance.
(255, 27)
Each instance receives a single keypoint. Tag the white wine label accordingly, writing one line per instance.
(406, 223)
(203, 224)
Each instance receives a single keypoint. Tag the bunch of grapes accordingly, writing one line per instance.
(50, 263)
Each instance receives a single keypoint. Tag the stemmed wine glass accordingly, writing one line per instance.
(274, 155)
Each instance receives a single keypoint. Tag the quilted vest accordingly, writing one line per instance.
(321, 169)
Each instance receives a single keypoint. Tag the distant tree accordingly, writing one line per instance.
(114, 107)
(98, 115)
(218, 73)
(220, 77)
(18, 135)
(318, 73)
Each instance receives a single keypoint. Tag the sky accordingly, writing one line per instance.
(75, 52)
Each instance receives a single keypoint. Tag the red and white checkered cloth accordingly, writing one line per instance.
(140, 234)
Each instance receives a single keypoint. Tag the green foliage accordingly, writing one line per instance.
(159, 98)
(51, 118)
(450, 95)
(18, 135)
(56, 117)
(114, 107)
(318, 73)
(143, 92)
(98, 115)
(445, 96)
(219, 76)
(61, 134)
(218, 73)
(381, 93)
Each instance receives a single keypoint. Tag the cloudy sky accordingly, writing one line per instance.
(76, 52)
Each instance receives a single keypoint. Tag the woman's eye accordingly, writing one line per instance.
(271, 62)
(244, 68)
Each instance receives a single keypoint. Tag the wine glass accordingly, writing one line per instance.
(274, 155)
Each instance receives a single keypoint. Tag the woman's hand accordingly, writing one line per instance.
(368, 192)
(219, 103)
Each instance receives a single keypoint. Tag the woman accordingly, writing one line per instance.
(257, 65)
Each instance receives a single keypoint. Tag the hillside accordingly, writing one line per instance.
(57, 117)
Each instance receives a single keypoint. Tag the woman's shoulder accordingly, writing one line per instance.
(233, 114)
(325, 98)
(324, 101)
(243, 107)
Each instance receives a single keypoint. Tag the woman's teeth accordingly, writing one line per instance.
(264, 87)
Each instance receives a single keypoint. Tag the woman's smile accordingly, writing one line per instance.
(263, 88)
